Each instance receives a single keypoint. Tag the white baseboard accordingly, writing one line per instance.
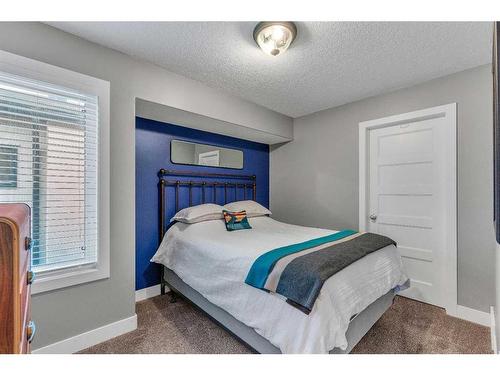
(150, 292)
(475, 316)
(494, 346)
(87, 339)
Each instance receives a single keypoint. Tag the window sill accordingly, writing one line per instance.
(53, 280)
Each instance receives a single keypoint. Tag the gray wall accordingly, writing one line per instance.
(314, 178)
(64, 313)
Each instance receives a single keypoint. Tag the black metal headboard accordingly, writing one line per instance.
(222, 181)
(201, 181)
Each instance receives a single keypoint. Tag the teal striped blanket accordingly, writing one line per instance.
(298, 271)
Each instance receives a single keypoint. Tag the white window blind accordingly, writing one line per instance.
(48, 159)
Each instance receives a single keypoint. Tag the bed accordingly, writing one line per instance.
(207, 265)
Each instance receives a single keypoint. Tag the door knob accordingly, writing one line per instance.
(373, 217)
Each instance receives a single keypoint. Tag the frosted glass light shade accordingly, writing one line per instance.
(274, 38)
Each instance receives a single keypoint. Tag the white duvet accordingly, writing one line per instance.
(215, 262)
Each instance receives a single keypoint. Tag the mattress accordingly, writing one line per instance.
(215, 263)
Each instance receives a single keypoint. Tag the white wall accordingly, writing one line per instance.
(64, 313)
(314, 178)
(497, 305)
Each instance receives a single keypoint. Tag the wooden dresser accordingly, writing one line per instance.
(16, 328)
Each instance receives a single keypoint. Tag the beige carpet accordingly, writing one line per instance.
(407, 327)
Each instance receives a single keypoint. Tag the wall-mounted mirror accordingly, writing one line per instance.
(182, 152)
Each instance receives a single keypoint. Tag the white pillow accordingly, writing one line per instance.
(201, 212)
(252, 208)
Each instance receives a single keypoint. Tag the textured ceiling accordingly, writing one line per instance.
(329, 64)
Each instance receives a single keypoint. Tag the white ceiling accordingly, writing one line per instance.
(329, 64)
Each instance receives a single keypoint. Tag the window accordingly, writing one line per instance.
(49, 159)
(8, 166)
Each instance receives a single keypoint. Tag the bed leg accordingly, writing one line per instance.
(173, 297)
(162, 281)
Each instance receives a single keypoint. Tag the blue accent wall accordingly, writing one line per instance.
(152, 152)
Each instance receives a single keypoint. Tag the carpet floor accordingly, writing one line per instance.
(407, 327)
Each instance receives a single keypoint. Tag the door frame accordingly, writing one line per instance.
(449, 112)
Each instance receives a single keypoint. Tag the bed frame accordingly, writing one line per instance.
(359, 325)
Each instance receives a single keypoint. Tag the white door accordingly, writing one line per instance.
(408, 200)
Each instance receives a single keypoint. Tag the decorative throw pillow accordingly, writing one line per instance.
(236, 220)
(196, 214)
(252, 208)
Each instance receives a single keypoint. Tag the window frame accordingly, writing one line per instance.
(70, 276)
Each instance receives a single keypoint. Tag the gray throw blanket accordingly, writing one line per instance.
(299, 271)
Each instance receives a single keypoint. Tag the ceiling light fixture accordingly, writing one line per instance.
(274, 38)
